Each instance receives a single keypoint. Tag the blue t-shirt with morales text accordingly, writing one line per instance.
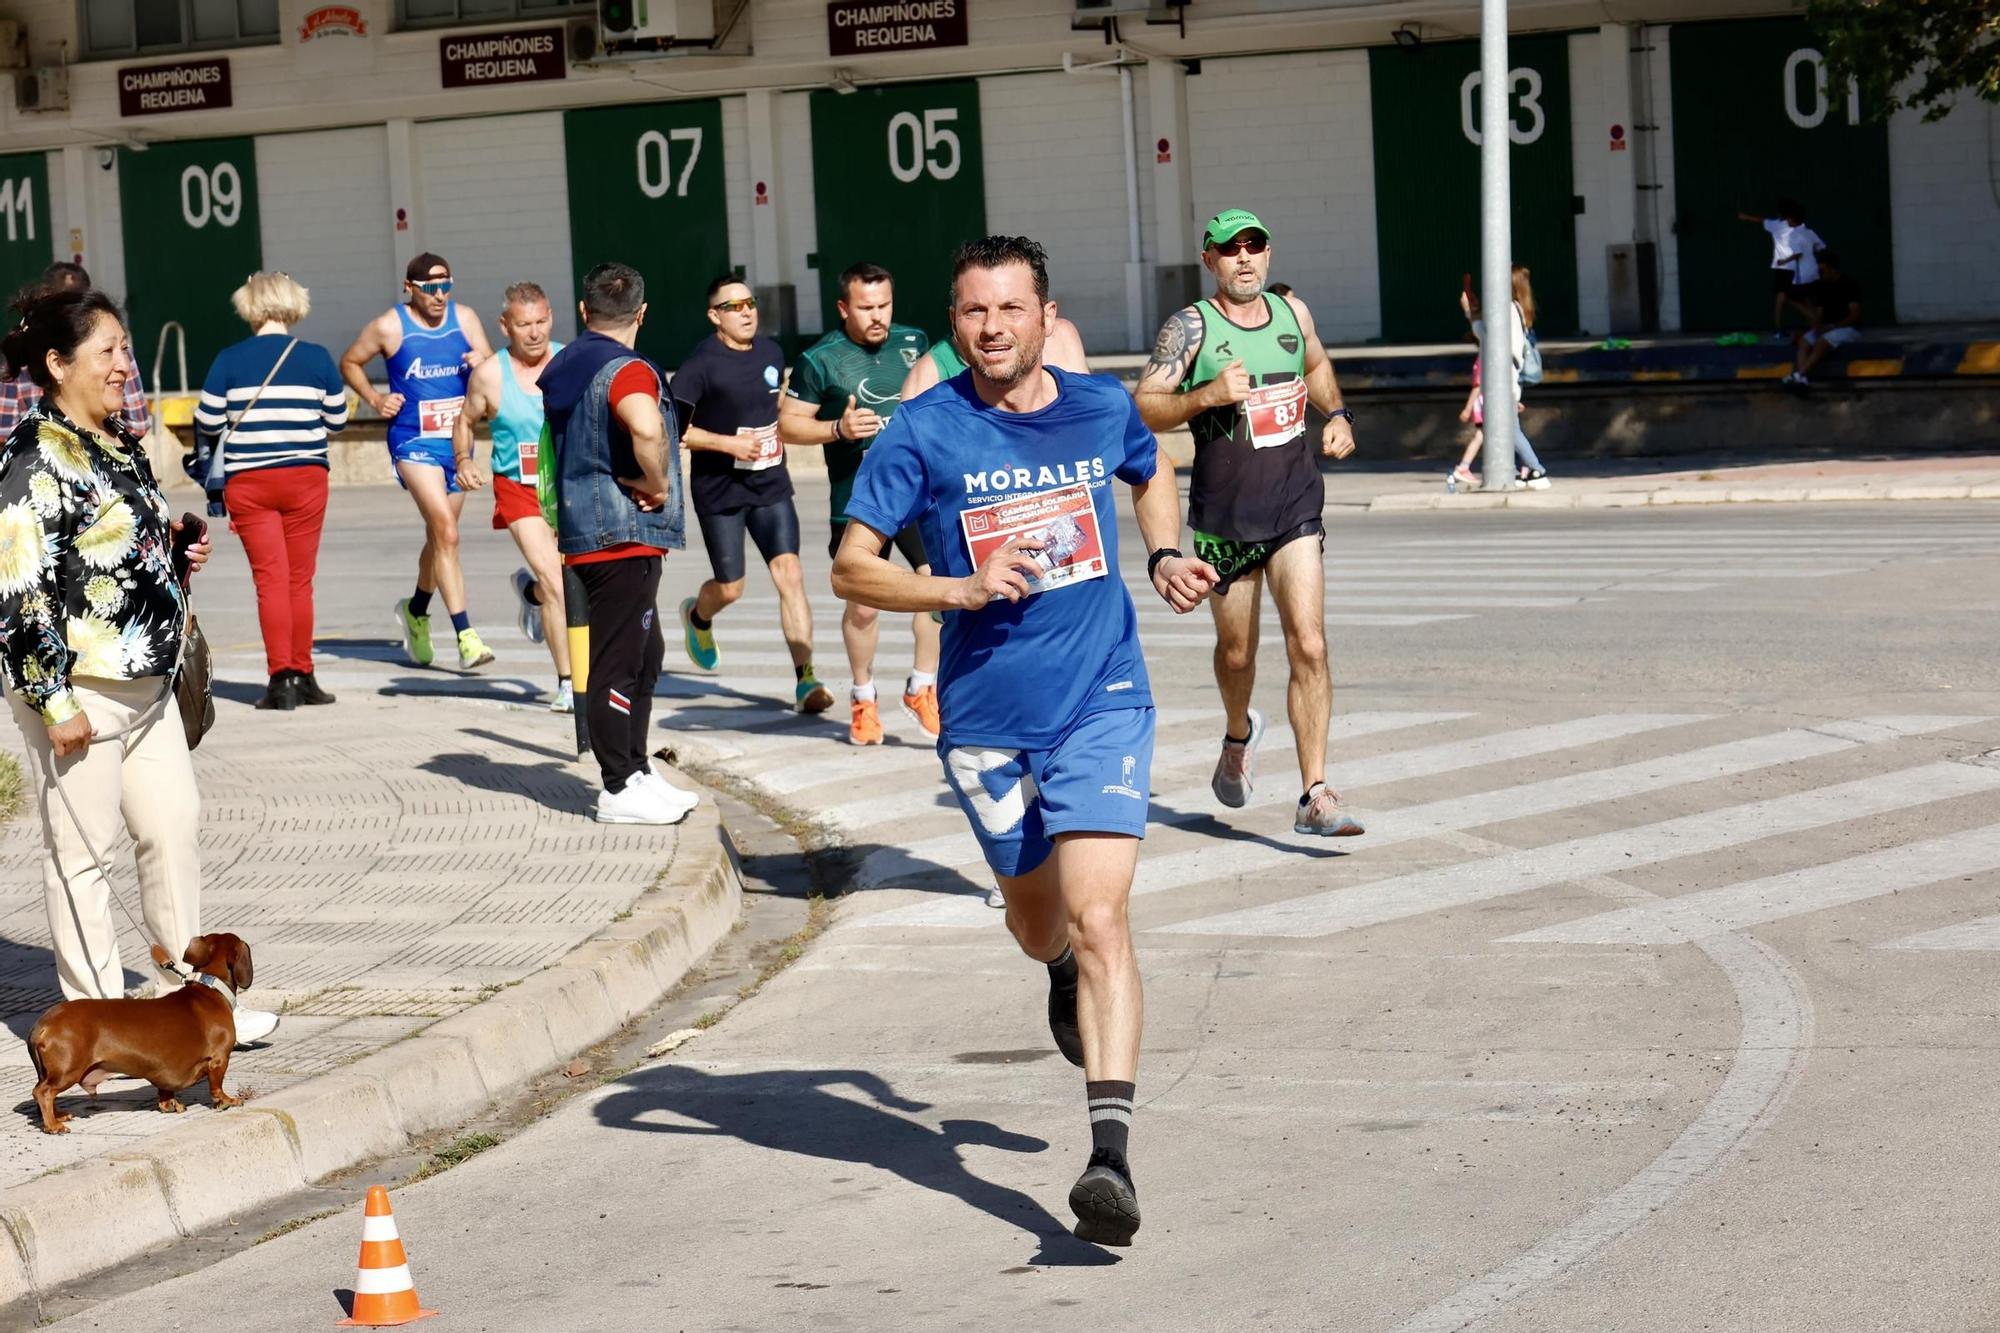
(1021, 674)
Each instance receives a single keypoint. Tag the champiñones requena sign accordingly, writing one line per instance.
(876, 27)
(481, 59)
(186, 85)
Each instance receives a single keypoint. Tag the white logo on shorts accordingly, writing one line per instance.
(1124, 786)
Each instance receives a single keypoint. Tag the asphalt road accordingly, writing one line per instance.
(1660, 995)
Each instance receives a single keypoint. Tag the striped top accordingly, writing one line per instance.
(289, 426)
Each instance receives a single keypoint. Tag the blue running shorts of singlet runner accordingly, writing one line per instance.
(1096, 778)
(433, 453)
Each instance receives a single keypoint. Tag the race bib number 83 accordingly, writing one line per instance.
(1276, 413)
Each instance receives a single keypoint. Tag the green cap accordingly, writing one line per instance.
(1224, 226)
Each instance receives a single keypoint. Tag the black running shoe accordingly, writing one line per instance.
(1105, 1204)
(1062, 1023)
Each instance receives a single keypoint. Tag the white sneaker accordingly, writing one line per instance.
(673, 795)
(527, 614)
(564, 700)
(253, 1025)
(642, 802)
(995, 898)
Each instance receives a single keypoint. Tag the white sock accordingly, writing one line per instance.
(865, 693)
(920, 680)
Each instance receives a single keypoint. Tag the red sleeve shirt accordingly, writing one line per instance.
(634, 377)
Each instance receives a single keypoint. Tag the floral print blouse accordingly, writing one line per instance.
(87, 585)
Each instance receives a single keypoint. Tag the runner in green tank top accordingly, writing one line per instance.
(1238, 369)
(842, 391)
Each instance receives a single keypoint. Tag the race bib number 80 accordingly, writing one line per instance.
(1276, 413)
(1063, 522)
(769, 453)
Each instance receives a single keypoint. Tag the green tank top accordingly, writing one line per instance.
(1255, 475)
(946, 358)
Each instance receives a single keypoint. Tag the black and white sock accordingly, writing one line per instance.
(1110, 1115)
(1062, 972)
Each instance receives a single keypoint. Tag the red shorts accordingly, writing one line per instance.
(513, 502)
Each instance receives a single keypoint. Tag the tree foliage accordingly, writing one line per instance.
(1921, 54)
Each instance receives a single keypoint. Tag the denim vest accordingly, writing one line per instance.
(592, 450)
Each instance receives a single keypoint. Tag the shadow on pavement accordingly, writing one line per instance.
(1210, 826)
(792, 1111)
(548, 784)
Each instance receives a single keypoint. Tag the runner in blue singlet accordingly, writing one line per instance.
(429, 347)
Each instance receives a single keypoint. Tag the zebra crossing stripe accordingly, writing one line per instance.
(1755, 902)
(1510, 873)
(1277, 739)
(889, 808)
(1982, 934)
(1233, 858)
(1498, 747)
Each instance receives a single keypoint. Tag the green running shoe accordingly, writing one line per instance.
(472, 650)
(416, 634)
(700, 643)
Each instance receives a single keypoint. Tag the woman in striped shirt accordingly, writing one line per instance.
(266, 409)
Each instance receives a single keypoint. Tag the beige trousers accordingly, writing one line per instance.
(142, 781)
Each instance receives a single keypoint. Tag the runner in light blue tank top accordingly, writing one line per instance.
(429, 348)
(505, 392)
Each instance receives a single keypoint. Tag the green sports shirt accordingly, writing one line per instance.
(836, 368)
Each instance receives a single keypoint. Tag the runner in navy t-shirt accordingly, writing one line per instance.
(1047, 717)
(727, 395)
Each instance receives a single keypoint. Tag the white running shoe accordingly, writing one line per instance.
(564, 700)
(995, 898)
(253, 1025)
(673, 795)
(527, 615)
(641, 802)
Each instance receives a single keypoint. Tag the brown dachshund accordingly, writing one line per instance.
(173, 1042)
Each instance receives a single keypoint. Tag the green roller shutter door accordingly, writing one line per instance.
(25, 245)
(1425, 108)
(899, 180)
(1753, 123)
(646, 189)
(191, 238)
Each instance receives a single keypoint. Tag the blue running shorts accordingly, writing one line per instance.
(432, 452)
(1095, 779)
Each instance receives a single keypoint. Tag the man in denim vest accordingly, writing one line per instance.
(619, 511)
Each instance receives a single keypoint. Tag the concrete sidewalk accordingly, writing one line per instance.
(1607, 484)
(417, 861)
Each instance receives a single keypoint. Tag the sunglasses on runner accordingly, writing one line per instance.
(1256, 245)
(740, 304)
(437, 287)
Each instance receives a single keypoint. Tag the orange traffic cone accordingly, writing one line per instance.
(384, 1295)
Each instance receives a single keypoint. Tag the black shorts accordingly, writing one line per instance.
(774, 527)
(909, 541)
(1233, 559)
(1782, 281)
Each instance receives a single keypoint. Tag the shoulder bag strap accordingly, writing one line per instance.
(215, 465)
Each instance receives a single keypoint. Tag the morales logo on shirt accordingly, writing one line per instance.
(1028, 478)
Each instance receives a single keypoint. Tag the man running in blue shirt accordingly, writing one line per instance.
(1047, 716)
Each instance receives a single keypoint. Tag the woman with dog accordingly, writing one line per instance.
(92, 617)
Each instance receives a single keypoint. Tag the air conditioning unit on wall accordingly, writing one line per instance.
(629, 24)
(45, 89)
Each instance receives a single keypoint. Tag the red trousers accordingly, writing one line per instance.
(278, 512)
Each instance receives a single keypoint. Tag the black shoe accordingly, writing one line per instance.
(309, 690)
(1062, 1023)
(1105, 1204)
(282, 695)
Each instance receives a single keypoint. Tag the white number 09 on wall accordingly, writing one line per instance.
(931, 147)
(211, 194)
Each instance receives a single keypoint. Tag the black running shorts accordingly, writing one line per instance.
(774, 527)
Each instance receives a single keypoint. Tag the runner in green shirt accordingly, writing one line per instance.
(1238, 369)
(843, 390)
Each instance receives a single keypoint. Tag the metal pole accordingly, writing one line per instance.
(1496, 251)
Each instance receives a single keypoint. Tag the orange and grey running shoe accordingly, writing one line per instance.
(866, 728)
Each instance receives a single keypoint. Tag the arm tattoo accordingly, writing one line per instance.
(1175, 349)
